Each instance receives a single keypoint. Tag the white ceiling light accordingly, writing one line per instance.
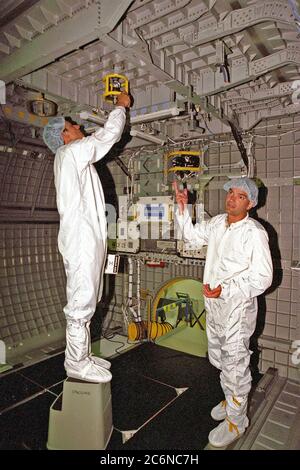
(161, 114)
(148, 137)
(156, 115)
(86, 116)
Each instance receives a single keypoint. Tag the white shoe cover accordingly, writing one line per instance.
(99, 361)
(226, 432)
(87, 370)
(218, 413)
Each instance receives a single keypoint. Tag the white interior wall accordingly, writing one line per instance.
(32, 278)
(278, 163)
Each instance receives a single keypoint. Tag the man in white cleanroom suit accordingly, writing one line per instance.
(238, 268)
(82, 232)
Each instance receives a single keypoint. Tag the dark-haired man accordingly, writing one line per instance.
(82, 232)
(238, 268)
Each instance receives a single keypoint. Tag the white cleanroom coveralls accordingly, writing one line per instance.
(238, 258)
(82, 232)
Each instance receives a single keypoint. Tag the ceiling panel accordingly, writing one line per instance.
(215, 59)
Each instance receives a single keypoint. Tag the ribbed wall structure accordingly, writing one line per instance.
(31, 272)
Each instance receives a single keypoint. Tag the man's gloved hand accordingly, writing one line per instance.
(211, 293)
(181, 197)
(123, 99)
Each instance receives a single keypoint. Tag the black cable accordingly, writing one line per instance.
(239, 141)
(122, 343)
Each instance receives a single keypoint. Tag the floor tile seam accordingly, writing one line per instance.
(22, 402)
(151, 417)
(33, 381)
(160, 382)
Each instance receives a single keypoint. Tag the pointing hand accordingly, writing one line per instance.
(181, 197)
